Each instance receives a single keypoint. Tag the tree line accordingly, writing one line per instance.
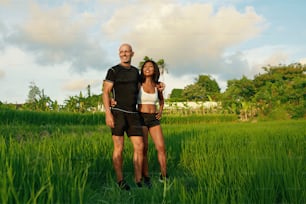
(277, 92)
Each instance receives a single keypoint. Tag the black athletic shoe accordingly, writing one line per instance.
(163, 179)
(139, 184)
(123, 185)
(147, 182)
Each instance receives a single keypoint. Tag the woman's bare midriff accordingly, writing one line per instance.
(146, 108)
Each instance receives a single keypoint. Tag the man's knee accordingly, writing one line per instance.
(137, 142)
(117, 153)
(139, 148)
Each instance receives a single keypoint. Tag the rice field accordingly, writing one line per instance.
(209, 161)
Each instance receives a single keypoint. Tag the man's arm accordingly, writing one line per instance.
(107, 88)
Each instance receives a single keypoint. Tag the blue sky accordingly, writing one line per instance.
(63, 46)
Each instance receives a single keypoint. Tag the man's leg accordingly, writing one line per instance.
(117, 156)
(145, 165)
(137, 142)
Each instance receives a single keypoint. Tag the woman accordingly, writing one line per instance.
(150, 105)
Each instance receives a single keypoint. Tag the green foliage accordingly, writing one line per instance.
(202, 89)
(240, 90)
(37, 100)
(80, 104)
(177, 95)
(283, 85)
(280, 88)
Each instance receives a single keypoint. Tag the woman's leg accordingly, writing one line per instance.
(158, 139)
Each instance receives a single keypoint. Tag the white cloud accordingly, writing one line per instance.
(19, 74)
(303, 61)
(191, 38)
(58, 35)
(17, 68)
(4, 2)
(2, 74)
(174, 82)
(81, 84)
(260, 57)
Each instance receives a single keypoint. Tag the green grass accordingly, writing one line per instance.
(25, 117)
(209, 162)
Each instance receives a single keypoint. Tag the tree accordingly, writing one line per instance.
(44, 103)
(282, 87)
(202, 89)
(71, 104)
(81, 102)
(238, 95)
(88, 91)
(34, 92)
(92, 102)
(177, 95)
(162, 66)
(240, 90)
(37, 99)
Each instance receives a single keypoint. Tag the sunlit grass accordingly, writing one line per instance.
(218, 162)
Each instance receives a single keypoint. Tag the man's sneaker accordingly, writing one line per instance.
(123, 185)
(163, 179)
(147, 182)
(139, 184)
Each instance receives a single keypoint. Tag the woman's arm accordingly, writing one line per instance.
(161, 105)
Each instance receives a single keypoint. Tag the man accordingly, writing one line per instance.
(122, 81)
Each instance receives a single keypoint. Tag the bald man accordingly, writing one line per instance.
(122, 83)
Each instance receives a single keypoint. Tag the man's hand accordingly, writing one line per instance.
(161, 86)
(109, 119)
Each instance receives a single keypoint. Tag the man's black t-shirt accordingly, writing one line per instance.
(125, 88)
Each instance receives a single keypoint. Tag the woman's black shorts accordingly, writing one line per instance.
(149, 119)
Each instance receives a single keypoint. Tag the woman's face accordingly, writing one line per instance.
(148, 69)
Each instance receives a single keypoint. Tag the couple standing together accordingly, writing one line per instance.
(134, 113)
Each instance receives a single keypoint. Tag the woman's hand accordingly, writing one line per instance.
(159, 115)
(113, 102)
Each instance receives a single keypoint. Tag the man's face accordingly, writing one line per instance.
(125, 54)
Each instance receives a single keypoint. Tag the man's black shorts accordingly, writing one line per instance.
(149, 119)
(127, 122)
